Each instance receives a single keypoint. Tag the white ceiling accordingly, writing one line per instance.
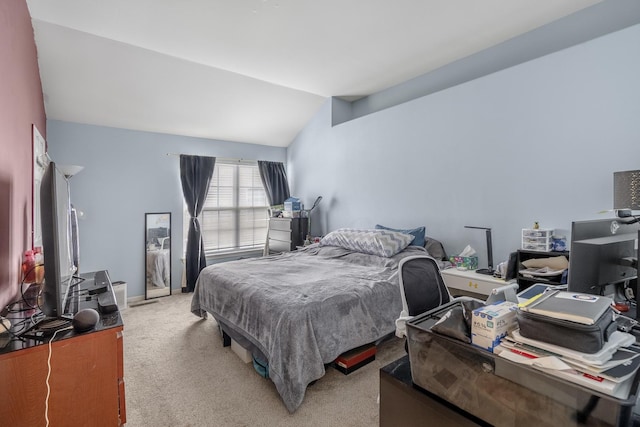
(252, 71)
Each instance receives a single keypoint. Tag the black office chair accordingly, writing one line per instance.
(421, 287)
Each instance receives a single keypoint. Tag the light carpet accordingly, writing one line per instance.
(177, 373)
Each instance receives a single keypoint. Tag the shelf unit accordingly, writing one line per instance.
(524, 282)
(286, 233)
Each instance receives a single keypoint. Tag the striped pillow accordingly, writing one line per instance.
(384, 243)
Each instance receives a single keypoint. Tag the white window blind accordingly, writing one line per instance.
(235, 213)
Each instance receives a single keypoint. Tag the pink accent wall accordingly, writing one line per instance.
(21, 105)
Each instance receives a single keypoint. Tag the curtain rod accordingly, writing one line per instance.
(221, 158)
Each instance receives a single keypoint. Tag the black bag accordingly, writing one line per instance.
(572, 335)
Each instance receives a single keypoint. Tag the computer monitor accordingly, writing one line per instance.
(601, 255)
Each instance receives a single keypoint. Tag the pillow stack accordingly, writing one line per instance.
(384, 243)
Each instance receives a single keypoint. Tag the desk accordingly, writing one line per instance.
(469, 282)
(502, 392)
(403, 404)
(87, 378)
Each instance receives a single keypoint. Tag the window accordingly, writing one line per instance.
(235, 213)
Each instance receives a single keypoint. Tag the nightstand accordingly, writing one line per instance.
(468, 282)
(286, 233)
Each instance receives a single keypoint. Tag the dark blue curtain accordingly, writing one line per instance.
(274, 179)
(195, 175)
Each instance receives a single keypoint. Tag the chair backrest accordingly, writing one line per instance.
(421, 285)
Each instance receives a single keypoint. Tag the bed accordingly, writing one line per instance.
(158, 268)
(300, 310)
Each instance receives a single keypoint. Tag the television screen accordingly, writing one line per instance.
(55, 214)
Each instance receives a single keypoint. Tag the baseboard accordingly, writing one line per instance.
(143, 302)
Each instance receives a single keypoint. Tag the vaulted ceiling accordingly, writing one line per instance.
(253, 71)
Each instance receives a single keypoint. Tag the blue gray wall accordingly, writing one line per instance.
(126, 174)
(535, 142)
(583, 25)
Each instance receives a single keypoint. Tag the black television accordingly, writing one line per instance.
(601, 256)
(57, 246)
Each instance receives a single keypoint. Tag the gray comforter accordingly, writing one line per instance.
(302, 309)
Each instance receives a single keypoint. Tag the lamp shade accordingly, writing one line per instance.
(626, 190)
(70, 170)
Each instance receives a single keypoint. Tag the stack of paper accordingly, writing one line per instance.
(610, 371)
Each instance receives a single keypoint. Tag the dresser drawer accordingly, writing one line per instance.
(279, 246)
(285, 236)
(283, 224)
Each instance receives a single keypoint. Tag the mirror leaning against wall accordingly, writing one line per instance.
(157, 254)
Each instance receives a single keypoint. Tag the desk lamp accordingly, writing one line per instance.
(489, 270)
(626, 194)
(626, 199)
(308, 212)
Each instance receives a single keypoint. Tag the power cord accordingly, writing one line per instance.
(46, 402)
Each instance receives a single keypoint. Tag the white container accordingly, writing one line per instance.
(120, 291)
(537, 239)
(241, 352)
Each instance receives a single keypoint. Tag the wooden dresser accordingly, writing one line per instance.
(286, 233)
(86, 379)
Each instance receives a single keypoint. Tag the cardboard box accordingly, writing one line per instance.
(468, 262)
(492, 322)
(292, 204)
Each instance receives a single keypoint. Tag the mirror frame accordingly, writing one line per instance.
(150, 247)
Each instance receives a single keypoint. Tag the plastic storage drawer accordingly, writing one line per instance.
(537, 239)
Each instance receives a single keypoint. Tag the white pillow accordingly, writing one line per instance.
(385, 243)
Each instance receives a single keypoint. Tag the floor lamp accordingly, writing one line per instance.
(70, 171)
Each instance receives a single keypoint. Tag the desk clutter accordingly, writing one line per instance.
(480, 358)
(543, 240)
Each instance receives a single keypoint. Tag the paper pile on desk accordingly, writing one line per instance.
(610, 371)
